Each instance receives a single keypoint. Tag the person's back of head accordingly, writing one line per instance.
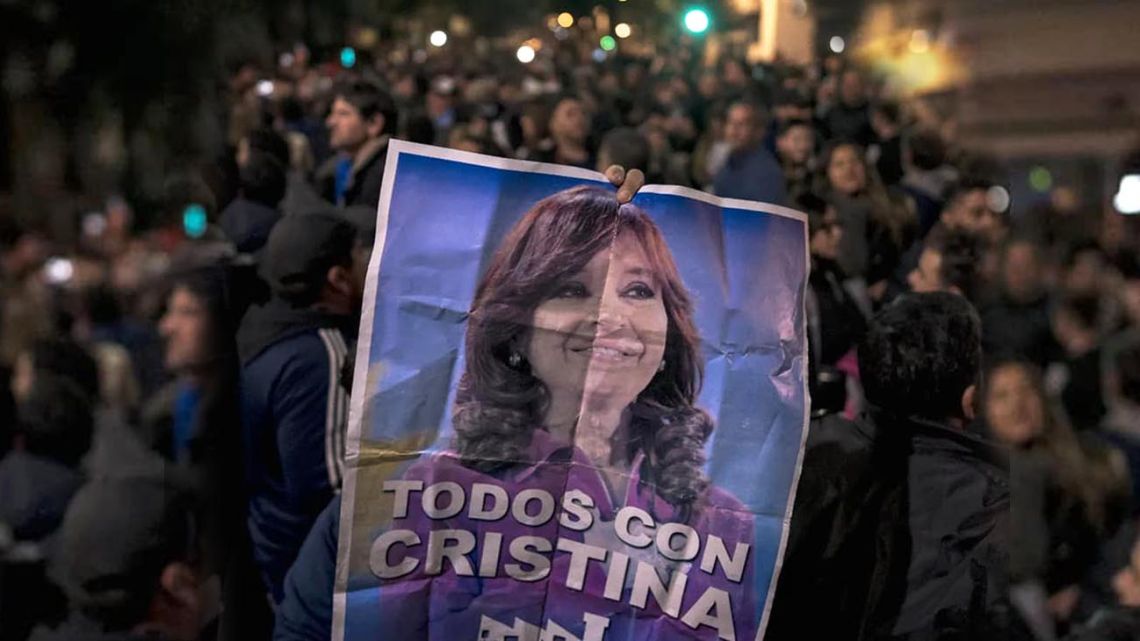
(926, 150)
(302, 253)
(626, 147)
(266, 140)
(55, 421)
(961, 260)
(263, 179)
(922, 357)
(128, 558)
(63, 358)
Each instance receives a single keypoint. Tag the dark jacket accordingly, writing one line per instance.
(305, 613)
(34, 494)
(365, 181)
(752, 175)
(898, 532)
(853, 123)
(247, 224)
(834, 318)
(294, 412)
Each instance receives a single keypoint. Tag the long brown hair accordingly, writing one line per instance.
(498, 406)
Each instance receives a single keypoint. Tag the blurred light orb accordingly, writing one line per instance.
(599, 55)
(1040, 179)
(525, 54)
(438, 38)
(565, 20)
(607, 43)
(837, 44)
(622, 30)
(1127, 198)
(997, 198)
(265, 88)
(347, 57)
(697, 20)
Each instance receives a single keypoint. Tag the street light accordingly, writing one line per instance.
(697, 20)
(438, 38)
(622, 30)
(837, 44)
(525, 54)
(565, 20)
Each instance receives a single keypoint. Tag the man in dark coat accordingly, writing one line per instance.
(362, 120)
(899, 528)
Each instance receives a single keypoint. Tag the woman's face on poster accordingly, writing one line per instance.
(601, 336)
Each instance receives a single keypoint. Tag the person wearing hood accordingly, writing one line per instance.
(295, 352)
(130, 559)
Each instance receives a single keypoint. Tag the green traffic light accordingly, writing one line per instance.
(697, 20)
(608, 43)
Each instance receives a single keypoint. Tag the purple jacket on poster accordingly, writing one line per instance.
(542, 550)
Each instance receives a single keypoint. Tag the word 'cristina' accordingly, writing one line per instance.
(400, 552)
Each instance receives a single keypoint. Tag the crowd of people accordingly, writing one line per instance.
(173, 443)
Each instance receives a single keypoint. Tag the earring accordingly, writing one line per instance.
(661, 367)
(515, 359)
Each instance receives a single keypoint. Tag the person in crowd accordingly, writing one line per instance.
(1072, 493)
(1076, 323)
(928, 177)
(568, 128)
(624, 147)
(194, 423)
(850, 117)
(59, 357)
(875, 224)
(37, 480)
(832, 312)
(294, 407)
(248, 220)
(887, 121)
(949, 263)
(750, 172)
(795, 145)
(362, 119)
(1017, 322)
(881, 500)
(131, 564)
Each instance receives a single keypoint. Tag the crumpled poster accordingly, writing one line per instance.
(571, 419)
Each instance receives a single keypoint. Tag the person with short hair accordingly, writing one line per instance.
(882, 499)
(751, 171)
(362, 119)
(949, 263)
(248, 220)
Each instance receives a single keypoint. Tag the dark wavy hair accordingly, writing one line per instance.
(498, 407)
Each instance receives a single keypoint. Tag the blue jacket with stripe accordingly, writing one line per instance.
(294, 398)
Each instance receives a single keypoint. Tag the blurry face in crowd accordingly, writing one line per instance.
(568, 122)
(734, 74)
(708, 85)
(851, 90)
(825, 241)
(971, 212)
(845, 171)
(599, 340)
(23, 377)
(742, 129)
(927, 275)
(1021, 273)
(348, 130)
(1085, 275)
(1126, 583)
(185, 328)
(796, 144)
(1014, 410)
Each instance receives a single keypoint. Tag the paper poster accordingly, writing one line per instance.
(571, 419)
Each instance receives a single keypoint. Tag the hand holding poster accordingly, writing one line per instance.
(572, 419)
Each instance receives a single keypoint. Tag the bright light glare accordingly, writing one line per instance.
(837, 44)
(438, 38)
(565, 20)
(622, 30)
(1127, 199)
(525, 54)
(697, 20)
